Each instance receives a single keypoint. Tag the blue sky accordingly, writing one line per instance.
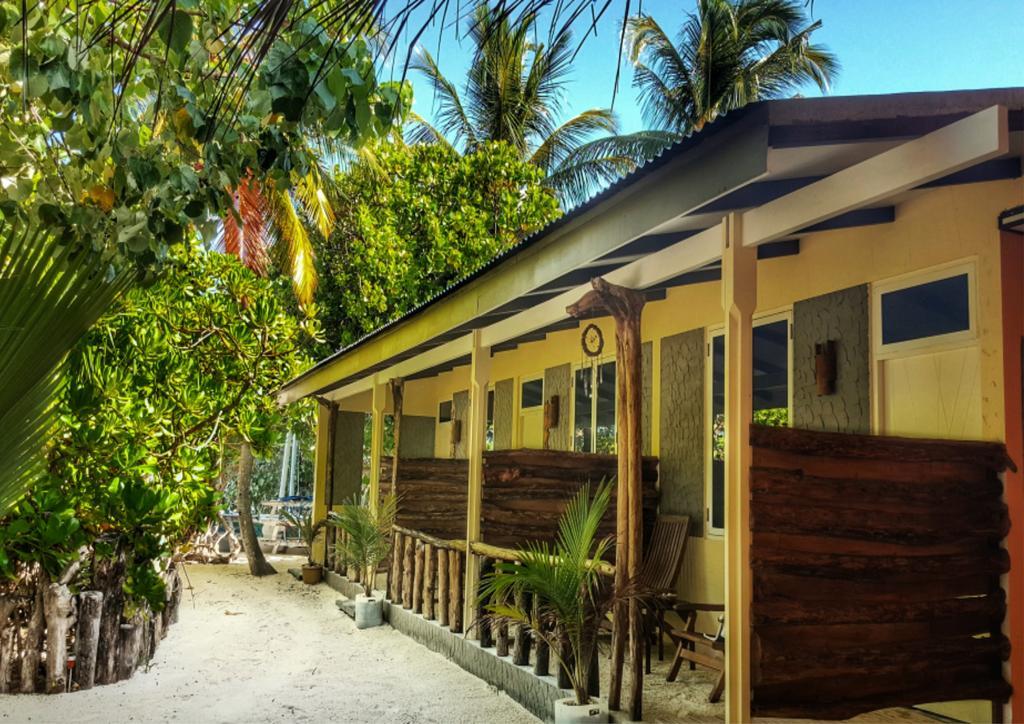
(884, 46)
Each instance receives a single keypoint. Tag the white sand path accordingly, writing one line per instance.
(269, 650)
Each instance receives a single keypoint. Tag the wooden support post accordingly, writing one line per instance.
(521, 642)
(739, 297)
(397, 396)
(417, 580)
(479, 371)
(428, 582)
(625, 307)
(541, 663)
(566, 662)
(455, 605)
(323, 472)
(501, 638)
(380, 398)
(397, 542)
(594, 674)
(8, 642)
(128, 650)
(482, 625)
(408, 557)
(442, 586)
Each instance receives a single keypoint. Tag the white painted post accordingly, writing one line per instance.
(293, 467)
(479, 371)
(739, 298)
(282, 486)
(380, 398)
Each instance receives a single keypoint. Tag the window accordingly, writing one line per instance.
(771, 398)
(594, 408)
(444, 411)
(532, 393)
(935, 308)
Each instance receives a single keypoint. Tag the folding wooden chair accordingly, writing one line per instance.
(688, 639)
(662, 564)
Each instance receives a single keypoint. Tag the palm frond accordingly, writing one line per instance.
(290, 229)
(568, 137)
(315, 204)
(49, 297)
(452, 120)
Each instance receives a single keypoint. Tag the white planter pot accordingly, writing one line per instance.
(567, 711)
(369, 611)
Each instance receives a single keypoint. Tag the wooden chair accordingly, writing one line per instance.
(688, 639)
(662, 564)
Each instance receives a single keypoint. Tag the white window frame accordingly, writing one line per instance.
(593, 364)
(518, 401)
(709, 334)
(949, 340)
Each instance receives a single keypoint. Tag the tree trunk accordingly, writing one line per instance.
(87, 638)
(109, 578)
(8, 640)
(58, 609)
(258, 565)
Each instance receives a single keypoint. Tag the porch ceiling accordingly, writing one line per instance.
(776, 154)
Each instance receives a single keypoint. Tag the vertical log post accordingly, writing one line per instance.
(739, 297)
(625, 307)
(521, 642)
(428, 582)
(397, 543)
(442, 586)
(128, 650)
(8, 640)
(501, 639)
(486, 632)
(32, 641)
(58, 608)
(541, 665)
(417, 580)
(397, 395)
(455, 606)
(408, 556)
(566, 662)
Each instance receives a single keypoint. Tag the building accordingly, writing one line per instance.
(856, 261)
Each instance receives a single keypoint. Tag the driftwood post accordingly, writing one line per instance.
(8, 638)
(417, 580)
(397, 543)
(128, 652)
(58, 608)
(407, 565)
(625, 307)
(32, 641)
(455, 591)
(428, 582)
(87, 637)
(397, 393)
(442, 587)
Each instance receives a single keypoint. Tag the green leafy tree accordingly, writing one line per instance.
(415, 219)
(150, 392)
(113, 150)
(514, 92)
(729, 53)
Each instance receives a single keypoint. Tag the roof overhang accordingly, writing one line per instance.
(788, 166)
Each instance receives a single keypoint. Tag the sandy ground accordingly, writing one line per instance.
(269, 650)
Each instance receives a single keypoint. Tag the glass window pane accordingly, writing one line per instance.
(582, 411)
(489, 438)
(718, 432)
(444, 411)
(771, 373)
(532, 393)
(926, 310)
(604, 430)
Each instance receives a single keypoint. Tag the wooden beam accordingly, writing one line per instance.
(479, 373)
(974, 139)
(626, 307)
(739, 297)
(397, 395)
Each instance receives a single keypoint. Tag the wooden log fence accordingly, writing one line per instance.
(53, 641)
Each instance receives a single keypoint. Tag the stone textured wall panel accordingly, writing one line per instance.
(558, 381)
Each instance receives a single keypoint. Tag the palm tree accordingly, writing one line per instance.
(265, 221)
(729, 53)
(514, 93)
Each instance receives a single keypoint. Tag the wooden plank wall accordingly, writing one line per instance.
(432, 495)
(525, 492)
(876, 565)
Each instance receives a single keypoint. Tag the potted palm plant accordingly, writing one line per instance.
(366, 541)
(312, 572)
(572, 597)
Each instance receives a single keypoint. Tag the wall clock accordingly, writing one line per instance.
(592, 340)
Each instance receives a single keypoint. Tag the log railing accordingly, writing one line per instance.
(427, 577)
